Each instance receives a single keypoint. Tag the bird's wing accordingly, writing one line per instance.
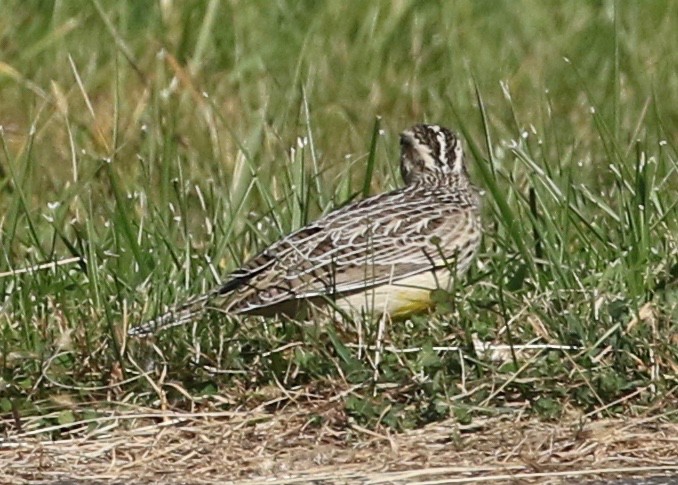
(379, 240)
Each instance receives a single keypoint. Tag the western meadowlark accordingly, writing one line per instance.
(383, 254)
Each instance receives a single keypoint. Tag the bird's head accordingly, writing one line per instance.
(429, 153)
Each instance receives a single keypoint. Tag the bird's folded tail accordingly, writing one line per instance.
(179, 315)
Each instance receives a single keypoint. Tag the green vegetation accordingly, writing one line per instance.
(150, 147)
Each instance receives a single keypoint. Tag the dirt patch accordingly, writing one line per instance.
(316, 442)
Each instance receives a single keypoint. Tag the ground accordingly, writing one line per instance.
(310, 439)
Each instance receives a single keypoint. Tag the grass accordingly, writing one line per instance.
(149, 148)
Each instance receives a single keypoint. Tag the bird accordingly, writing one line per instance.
(383, 255)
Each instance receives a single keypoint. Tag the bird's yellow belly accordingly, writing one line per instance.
(407, 296)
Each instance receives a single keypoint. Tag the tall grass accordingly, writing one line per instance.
(149, 148)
